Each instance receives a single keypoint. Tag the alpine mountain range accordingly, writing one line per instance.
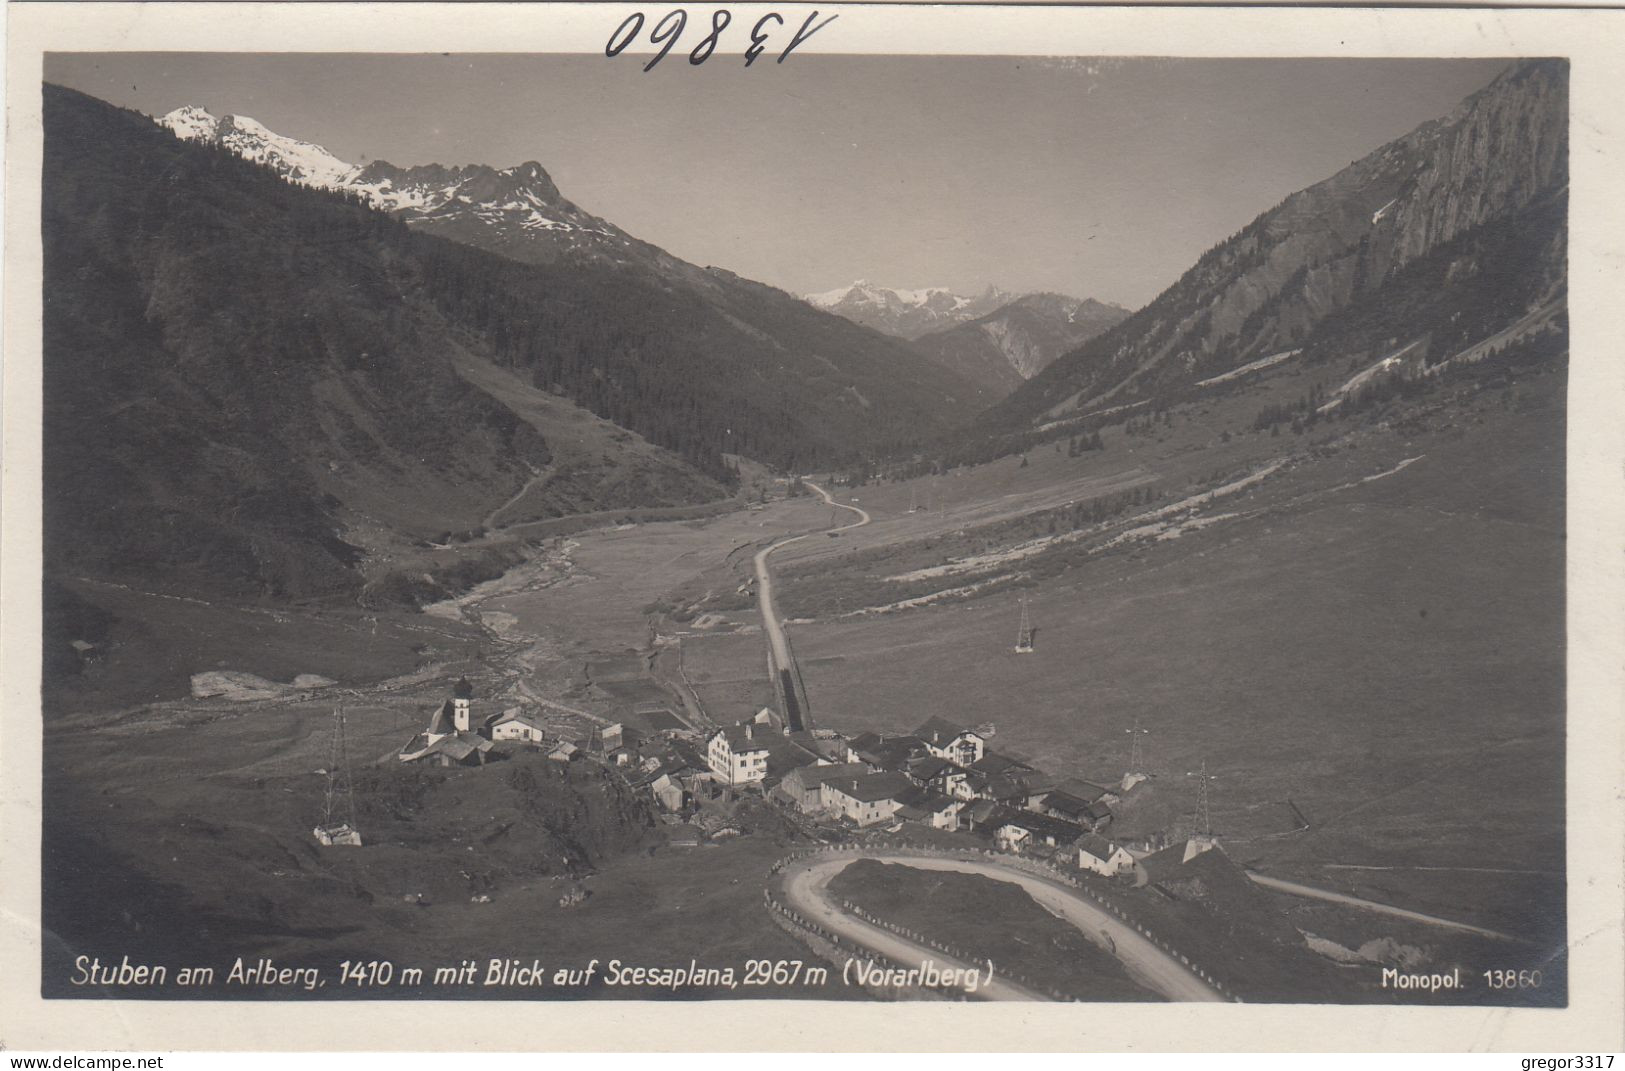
(697, 367)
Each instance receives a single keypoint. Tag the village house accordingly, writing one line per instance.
(669, 792)
(516, 723)
(885, 752)
(955, 743)
(930, 808)
(1011, 837)
(866, 800)
(1060, 804)
(609, 739)
(735, 755)
(1102, 856)
(937, 774)
(1016, 830)
(804, 786)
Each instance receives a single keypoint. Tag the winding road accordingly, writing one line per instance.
(805, 888)
(771, 624)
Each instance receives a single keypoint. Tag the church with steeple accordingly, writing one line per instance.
(452, 738)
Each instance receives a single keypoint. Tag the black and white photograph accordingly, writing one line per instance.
(721, 518)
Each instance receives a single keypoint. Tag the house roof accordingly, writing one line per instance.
(808, 777)
(689, 754)
(523, 717)
(992, 764)
(1083, 790)
(928, 800)
(741, 739)
(925, 767)
(1004, 787)
(1066, 803)
(983, 810)
(940, 731)
(784, 755)
(895, 751)
(873, 788)
(1042, 824)
(1097, 846)
(461, 745)
(864, 741)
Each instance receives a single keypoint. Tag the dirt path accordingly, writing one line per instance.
(1147, 964)
(536, 477)
(1310, 891)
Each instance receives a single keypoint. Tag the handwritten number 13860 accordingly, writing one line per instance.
(670, 28)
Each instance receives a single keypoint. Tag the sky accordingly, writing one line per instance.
(1101, 178)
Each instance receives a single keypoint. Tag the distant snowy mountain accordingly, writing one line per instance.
(906, 313)
(517, 210)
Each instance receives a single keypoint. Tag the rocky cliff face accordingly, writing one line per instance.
(1501, 152)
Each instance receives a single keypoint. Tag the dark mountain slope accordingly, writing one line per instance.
(240, 373)
(1267, 289)
(224, 357)
(696, 358)
(1007, 347)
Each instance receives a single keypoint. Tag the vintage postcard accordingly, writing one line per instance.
(623, 511)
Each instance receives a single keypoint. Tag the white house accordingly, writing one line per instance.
(955, 743)
(932, 809)
(735, 755)
(1011, 837)
(867, 800)
(1102, 856)
(517, 723)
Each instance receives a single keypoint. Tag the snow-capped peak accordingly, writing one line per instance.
(299, 160)
(517, 203)
(251, 139)
(908, 313)
(190, 123)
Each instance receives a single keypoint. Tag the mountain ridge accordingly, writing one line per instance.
(907, 313)
(1267, 288)
(845, 390)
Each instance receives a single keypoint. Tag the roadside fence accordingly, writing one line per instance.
(1047, 870)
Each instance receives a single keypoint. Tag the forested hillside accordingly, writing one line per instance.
(239, 371)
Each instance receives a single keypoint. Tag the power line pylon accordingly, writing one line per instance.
(1136, 748)
(338, 807)
(1202, 780)
(1024, 636)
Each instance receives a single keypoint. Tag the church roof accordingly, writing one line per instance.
(463, 689)
(441, 721)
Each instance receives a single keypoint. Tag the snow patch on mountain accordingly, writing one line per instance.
(909, 313)
(513, 201)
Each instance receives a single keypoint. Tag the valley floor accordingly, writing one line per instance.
(1364, 648)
